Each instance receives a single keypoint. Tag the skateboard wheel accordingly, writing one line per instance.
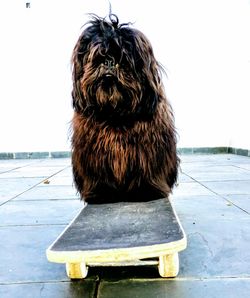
(169, 265)
(76, 270)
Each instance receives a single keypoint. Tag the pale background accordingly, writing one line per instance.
(204, 46)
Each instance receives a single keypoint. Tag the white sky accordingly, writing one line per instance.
(204, 46)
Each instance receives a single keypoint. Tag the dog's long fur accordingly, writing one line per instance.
(124, 140)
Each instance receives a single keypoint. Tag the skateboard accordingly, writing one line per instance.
(121, 234)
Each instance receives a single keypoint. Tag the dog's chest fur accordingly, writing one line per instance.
(105, 151)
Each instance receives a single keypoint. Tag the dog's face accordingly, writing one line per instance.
(115, 73)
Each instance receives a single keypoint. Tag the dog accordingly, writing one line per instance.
(123, 132)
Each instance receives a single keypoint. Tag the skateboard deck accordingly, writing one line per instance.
(121, 234)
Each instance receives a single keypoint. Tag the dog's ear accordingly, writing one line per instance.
(77, 62)
(150, 72)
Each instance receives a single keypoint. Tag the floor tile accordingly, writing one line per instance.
(23, 257)
(5, 169)
(228, 187)
(243, 201)
(11, 187)
(59, 162)
(49, 192)
(190, 188)
(39, 212)
(218, 234)
(14, 163)
(58, 181)
(229, 288)
(220, 251)
(184, 178)
(217, 173)
(27, 172)
(208, 158)
(207, 206)
(76, 289)
(245, 166)
(67, 172)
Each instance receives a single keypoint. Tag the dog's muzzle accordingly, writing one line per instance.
(109, 66)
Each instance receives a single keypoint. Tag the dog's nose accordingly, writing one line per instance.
(109, 64)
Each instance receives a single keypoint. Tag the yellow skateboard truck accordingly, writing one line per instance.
(121, 234)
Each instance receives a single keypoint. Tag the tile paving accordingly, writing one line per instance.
(212, 199)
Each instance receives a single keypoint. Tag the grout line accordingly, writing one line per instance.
(191, 278)
(13, 169)
(33, 225)
(23, 166)
(97, 287)
(242, 168)
(21, 177)
(178, 279)
(219, 195)
(32, 187)
(33, 282)
(217, 181)
(45, 200)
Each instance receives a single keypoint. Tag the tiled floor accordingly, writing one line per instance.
(37, 200)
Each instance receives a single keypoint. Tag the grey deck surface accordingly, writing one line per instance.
(212, 201)
(121, 225)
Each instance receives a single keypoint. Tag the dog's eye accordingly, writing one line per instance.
(124, 64)
(97, 60)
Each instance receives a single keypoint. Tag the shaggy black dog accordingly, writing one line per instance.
(124, 140)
